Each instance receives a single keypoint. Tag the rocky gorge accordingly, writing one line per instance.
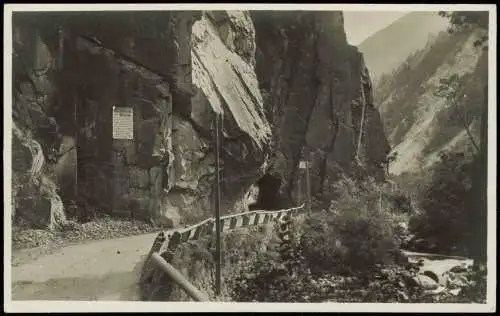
(288, 87)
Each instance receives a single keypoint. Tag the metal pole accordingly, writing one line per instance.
(217, 208)
(178, 278)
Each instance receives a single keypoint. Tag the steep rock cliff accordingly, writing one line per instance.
(318, 98)
(176, 71)
(222, 45)
(34, 131)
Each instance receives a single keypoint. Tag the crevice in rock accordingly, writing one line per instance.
(183, 190)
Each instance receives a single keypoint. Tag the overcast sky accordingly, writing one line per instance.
(359, 25)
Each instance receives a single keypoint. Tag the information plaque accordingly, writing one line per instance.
(123, 122)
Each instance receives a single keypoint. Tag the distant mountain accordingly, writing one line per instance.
(387, 48)
(418, 123)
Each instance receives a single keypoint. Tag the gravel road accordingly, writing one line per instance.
(105, 270)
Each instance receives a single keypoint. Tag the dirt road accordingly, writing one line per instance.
(105, 270)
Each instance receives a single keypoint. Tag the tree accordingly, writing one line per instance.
(449, 89)
(458, 22)
(445, 219)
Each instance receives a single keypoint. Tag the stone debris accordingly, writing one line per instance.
(425, 282)
(440, 274)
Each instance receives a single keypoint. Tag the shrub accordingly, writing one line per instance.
(348, 242)
(353, 236)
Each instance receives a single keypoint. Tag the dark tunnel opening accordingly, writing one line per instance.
(269, 197)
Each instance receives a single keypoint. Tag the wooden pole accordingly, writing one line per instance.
(300, 185)
(217, 208)
(380, 201)
(308, 184)
(77, 145)
(178, 278)
(61, 48)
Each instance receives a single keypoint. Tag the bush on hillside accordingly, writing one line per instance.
(348, 242)
(354, 235)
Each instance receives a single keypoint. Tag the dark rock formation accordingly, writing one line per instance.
(176, 71)
(35, 132)
(94, 62)
(316, 86)
(35, 200)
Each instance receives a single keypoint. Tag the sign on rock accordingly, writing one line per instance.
(123, 123)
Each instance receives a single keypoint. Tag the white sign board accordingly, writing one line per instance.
(303, 164)
(123, 122)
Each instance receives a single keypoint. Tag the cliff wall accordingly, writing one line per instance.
(316, 86)
(287, 86)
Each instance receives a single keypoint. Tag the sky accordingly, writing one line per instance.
(359, 25)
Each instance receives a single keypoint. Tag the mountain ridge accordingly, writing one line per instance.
(380, 59)
(418, 123)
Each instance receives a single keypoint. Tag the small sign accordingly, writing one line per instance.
(123, 122)
(303, 164)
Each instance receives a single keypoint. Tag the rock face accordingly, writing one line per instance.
(318, 99)
(34, 193)
(176, 71)
(35, 198)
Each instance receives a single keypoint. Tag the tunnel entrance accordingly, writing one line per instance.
(269, 197)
